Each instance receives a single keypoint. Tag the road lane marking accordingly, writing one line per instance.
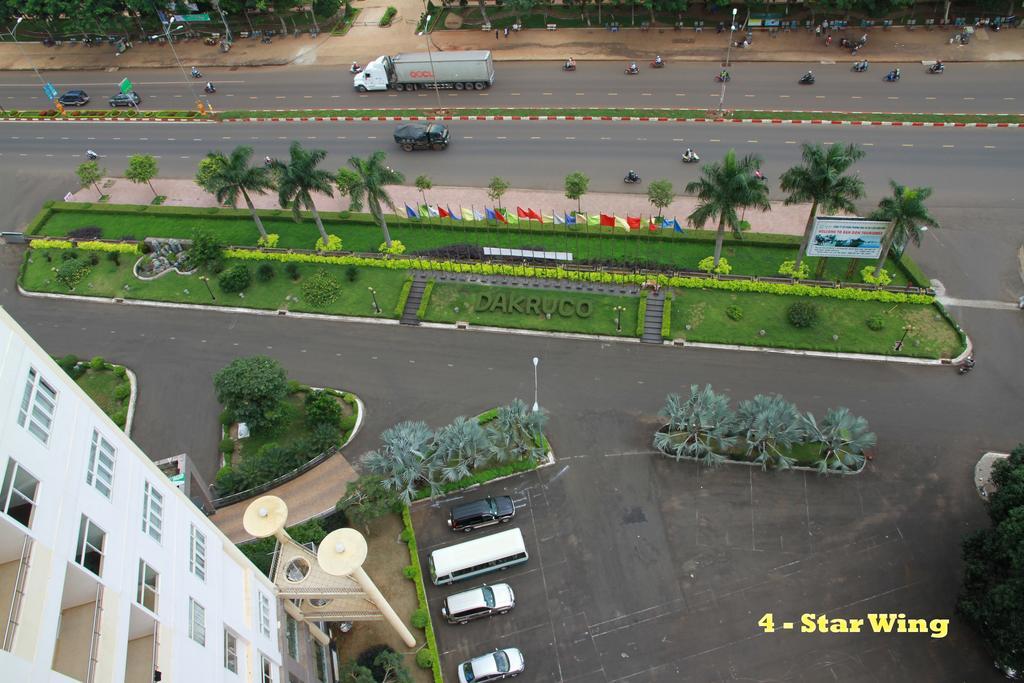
(783, 97)
(947, 146)
(515, 94)
(749, 95)
(279, 97)
(680, 94)
(606, 138)
(855, 97)
(1009, 99)
(929, 98)
(752, 142)
(907, 144)
(580, 93)
(714, 140)
(535, 137)
(990, 146)
(613, 94)
(891, 97)
(307, 97)
(968, 98)
(819, 97)
(868, 144)
(570, 137)
(371, 137)
(502, 137)
(790, 142)
(467, 137)
(545, 93)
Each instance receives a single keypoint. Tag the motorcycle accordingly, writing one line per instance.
(967, 366)
(692, 159)
(93, 156)
(210, 89)
(196, 73)
(807, 79)
(631, 178)
(630, 71)
(892, 76)
(568, 67)
(860, 67)
(355, 68)
(655, 64)
(936, 68)
(723, 78)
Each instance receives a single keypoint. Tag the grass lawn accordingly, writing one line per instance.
(109, 280)
(704, 312)
(446, 297)
(682, 251)
(100, 385)
(295, 428)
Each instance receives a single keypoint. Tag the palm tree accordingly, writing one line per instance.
(843, 438)
(373, 176)
(701, 427)
(459, 447)
(820, 181)
(771, 427)
(405, 461)
(722, 189)
(906, 211)
(232, 175)
(516, 433)
(299, 179)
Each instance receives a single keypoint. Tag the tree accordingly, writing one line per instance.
(354, 672)
(142, 168)
(424, 183)
(660, 194)
(576, 186)
(229, 176)
(206, 252)
(299, 179)
(722, 189)
(496, 189)
(373, 178)
(906, 211)
(700, 427)
(90, 173)
(253, 389)
(843, 438)
(459, 447)
(483, 10)
(820, 181)
(366, 499)
(516, 433)
(206, 174)
(392, 665)
(993, 588)
(771, 426)
(404, 462)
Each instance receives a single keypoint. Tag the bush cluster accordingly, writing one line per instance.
(235, 279)
(265, 272)
(802, 314)
(734, 313)
(875, 322)
(333, 243)
(322, 408)
(320, 289)
(789, 269)
(72, 272)
(292, 269)
(389, 14)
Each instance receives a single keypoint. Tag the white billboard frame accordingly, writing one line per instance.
(847, 237)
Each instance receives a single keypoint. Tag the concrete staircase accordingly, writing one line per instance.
(652, 321)
(412, 304)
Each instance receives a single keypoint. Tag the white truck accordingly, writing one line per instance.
(460, 70)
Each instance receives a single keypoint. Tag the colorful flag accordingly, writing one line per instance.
(477, 215)
(549, 218)
(500, 216)
(510, 217)
(676, 226)
(522, 213)
(411, 212)
(424, 211)
(467, 215)
(633, 222)
(596, 220)
(607, 221)
(570, 219)
(620, 222)
(454, 216)
(492, 215)
(434, 213)
(558, 219)
(533, 215)
(442, 213)
(654, 225)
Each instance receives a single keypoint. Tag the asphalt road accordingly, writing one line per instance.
(539, 154)
(989, 87)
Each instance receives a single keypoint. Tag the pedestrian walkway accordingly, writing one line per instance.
(410, 314)
(652, 318)
(979, 303)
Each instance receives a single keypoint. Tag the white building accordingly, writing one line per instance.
(107, 571)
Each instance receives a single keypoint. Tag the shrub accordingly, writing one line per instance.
(94, 259)
(253, 389)
(67, 362)
(368, 658)
(409, 571)
(389, 14)
(875, 322)
(227, 445)
(322, 437)
(868, 275)
(295, 386)
(707, 264)
(333, 243)
(97, 363)
(348, 422)
(90, 233)
(206, 252)
(425, 658)
(120, 371)
(734, 313)
(265, 272)
(396, 248)
(120, 417)
(72, 272)
(122, 391)
(235, 279)
(802, 314)
(321, 408)
(69, 255)
(788, 268)
(114, 257)
(351, 273)
(227, 481)
(320, 289)
(419, 618)
(270, 241)
(227, 418)
(292, 269)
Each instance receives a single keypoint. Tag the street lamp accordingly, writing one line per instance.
(373, 293)
(728, 55)
(430, 56)
(206, 281)
(191, 87)
(15, 39)
(536, 405)
(899, 345)
(618, 317)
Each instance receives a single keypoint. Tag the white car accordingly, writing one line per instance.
(493, 666)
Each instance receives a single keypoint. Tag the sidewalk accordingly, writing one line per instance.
(782, 219)
(366, 41)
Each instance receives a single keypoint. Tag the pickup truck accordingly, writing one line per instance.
(412, 136)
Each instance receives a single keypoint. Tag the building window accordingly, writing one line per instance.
(264, 612)
(230, 651)
(100, 474)
(196, 622)
(89, 551)
(147, 588)
(266, 670)
(18, 494)
(37, 406)
(320, 652)
(152, 512)
(197, 553)
(292, 636)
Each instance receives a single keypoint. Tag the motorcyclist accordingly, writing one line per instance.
(632, 176)
(354, 68)
(633, 68)
(657, 60)
(92, 155)
(758, 174)
(267, 161)
(570, 63)
(809, 76)
(724, 76)
(196, 73)
(209, 87)
(938, 66)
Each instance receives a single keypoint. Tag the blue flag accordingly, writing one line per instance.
(454, 216)
(570, 219)
(676, 226)
(490, 215)
(411, 212)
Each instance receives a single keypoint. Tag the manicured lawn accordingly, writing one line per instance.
(705, 312)
(447, 297)
(680, 251)
(100, 385)
(109, 280)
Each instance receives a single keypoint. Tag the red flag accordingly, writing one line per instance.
(535, 216)
(633, 222)
(501, 217)
(443, 213)
(608, 221)
(522, 213)
(654, 226)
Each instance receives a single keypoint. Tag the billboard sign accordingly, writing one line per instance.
(841, 237)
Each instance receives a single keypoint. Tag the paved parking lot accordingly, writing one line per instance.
(646, 570)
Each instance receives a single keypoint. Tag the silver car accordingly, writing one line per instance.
(475, 603)
(493, 666)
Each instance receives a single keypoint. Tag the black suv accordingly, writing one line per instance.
(125, 99)
(74, 98)
(483, 512)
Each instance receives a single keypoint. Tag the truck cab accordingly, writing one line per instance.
(374, 77)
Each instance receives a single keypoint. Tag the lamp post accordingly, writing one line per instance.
(618, 317)
(373, 293)
(536, 405)
(191, 87)
(728, 55)
(899, 345)
(20, 50)
(430, 56)
(206, 281)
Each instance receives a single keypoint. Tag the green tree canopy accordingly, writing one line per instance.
(661, 195)
(576, 184)
(369, 184)
(230, 176)
(90, 173)
(299, 179)
(142, 168)
(496, 189)
(909, 216)
(253, 389)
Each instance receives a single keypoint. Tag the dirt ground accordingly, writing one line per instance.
(386, 558)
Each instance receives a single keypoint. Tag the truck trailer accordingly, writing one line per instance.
(459, 70)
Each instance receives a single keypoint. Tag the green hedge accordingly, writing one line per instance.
(403, 297)
(641, 313)
(422, 310)
(389, 14)
(949, 319)
(482, 477)
(421, 593)
(666, 318)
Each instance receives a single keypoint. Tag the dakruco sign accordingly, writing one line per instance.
(533, 304)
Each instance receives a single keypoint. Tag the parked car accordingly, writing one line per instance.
(482, 512)
(493, 666)
(74, 98)
(125, 99)
(483, 601)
